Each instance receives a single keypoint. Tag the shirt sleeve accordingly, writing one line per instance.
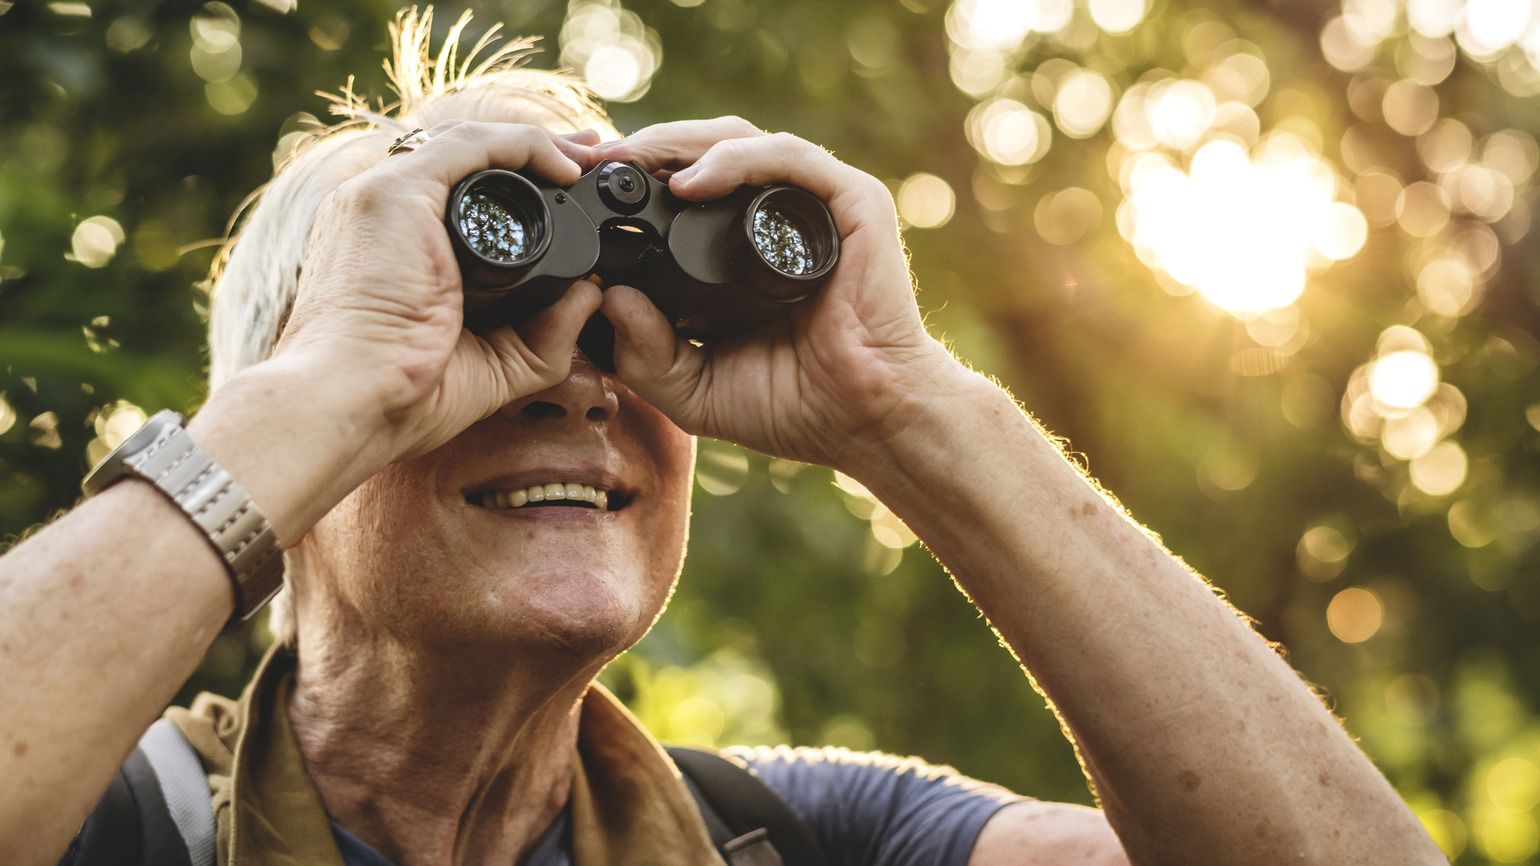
(875, 809)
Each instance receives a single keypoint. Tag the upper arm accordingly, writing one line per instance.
(1034, 833)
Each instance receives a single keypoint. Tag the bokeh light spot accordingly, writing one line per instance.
(7, 415)
(1067, 216)
(926, 201)
(1447, 286)
(984, 25)
(1496, 24)
(1447, 830)
(1403, 379)
(1441, 470)
(232, 97)
(1410, 107)
(1082, 103)
(1422, 209)
(1242, 230)
(1008, 133)
(616, 53)
(1507, 836)
(1117, 16)
(1323, 551)
(1514, 783)
(1410, 434)
(1355, 614)
(1341, 232)
(1342, 49)
(1180, 111)
(721, 470)
(95, 241)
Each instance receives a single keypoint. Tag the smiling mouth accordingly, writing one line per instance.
(553, 494)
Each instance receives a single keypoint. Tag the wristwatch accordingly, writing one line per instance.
(163, 454)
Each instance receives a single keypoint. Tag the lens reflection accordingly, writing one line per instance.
(782, 242)
(491, 229)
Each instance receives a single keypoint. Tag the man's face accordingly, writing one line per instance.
(426, 552)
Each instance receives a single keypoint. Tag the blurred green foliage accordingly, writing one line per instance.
(805, 613)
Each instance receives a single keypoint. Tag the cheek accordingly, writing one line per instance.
(673, 452)
(374, 535)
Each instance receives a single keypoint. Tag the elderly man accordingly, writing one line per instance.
(432, 698)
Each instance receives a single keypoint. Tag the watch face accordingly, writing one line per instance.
(115, 465)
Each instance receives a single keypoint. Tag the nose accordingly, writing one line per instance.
(587, 393)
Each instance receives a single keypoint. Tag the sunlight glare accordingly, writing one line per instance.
(1180, 112)
(1242, 230)
(1403, 379)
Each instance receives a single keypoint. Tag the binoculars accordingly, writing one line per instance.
(716, 269)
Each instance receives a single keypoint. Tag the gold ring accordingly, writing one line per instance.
(408, 143)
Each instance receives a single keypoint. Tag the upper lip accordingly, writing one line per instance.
(599, 479)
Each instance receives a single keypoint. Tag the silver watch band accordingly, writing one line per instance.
(218, 505)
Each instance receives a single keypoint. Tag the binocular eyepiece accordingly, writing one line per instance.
(716, 269)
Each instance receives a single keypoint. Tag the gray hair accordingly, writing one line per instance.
(255, 277)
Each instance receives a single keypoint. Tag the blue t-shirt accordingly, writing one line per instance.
(866, 808)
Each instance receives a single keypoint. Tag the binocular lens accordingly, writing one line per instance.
(496, 228)
(783, 241)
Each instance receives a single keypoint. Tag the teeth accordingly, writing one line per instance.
(568, 491)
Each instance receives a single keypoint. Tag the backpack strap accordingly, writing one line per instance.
(749, 823)
(156, 812)
(184, 787)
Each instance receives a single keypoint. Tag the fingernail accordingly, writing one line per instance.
(687, 174)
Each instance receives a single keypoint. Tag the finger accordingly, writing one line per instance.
(458, 149)
(652, 360)
(538, 352)
(767, 160)
(578, 147)
(587, 137)
(677, 144)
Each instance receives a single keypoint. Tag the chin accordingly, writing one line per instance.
(593, 615)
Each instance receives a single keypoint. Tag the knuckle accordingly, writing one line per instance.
(738, 126)
(449, 130)
(787, 140)
(360, 190)
(727, 148)
(442, 127)
(871, 185)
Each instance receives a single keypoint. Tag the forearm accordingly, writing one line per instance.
(1204, 746)
(105, 613)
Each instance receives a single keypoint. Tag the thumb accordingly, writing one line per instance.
(537, 354)
(655, 362)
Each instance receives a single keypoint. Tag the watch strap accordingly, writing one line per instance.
(213, 500)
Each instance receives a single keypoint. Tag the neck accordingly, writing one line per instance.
(460, 757)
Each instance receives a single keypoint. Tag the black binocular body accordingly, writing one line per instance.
(716, 269)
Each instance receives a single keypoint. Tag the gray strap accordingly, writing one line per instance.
(185, 787)
(752, 849)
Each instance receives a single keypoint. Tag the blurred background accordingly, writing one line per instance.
(1268, 266)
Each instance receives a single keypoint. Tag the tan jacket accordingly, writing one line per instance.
(629, 804)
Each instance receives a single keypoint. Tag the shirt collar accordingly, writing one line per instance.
(629, 805)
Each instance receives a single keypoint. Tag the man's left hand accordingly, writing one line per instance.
(845, 369)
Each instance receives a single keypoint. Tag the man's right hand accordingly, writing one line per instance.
(380, 302)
